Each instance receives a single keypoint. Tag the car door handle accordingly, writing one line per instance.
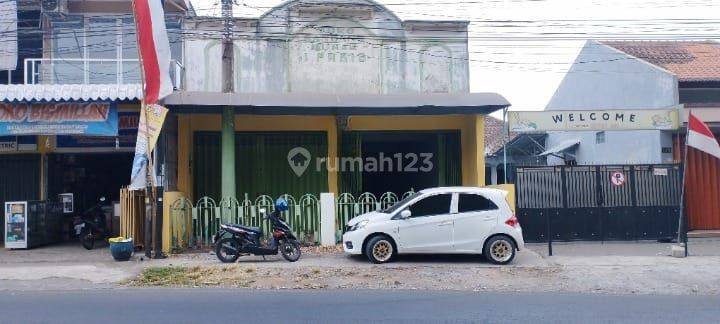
(488, 218)
(446, 223)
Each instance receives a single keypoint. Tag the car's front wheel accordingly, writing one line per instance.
(500, 249)
(380, 249)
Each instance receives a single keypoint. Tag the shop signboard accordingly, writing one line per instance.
(125, 139)
(18, 143)
(593, 120)
(16, 225)
(59, 118)
(8, 144)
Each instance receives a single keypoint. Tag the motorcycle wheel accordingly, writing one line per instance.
(290, 250)
(87, 240)
(223, 253)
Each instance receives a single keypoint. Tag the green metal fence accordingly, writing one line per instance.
(193, 225)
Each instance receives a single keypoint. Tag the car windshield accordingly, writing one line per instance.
(399, 204)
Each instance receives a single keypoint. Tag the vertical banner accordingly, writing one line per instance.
(152, 118)
(154, 48)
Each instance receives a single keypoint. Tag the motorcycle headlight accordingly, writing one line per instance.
(359, 225)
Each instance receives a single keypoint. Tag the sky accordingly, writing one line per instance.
(522, 48)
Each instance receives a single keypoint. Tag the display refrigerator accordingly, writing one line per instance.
(16, 225)
(32, 223)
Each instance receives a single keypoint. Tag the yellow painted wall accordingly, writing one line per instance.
(471, 136)
(510, 188)
(169, 198)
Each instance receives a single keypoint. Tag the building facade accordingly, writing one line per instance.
(329, 96)
(603, 77)
(347, 81)
(70, 109)
(647, 75)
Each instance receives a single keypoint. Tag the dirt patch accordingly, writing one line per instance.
(325, 268)
(402, 277)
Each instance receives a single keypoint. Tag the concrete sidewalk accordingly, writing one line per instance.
(696, 247)
(64, 266)
(627, 267)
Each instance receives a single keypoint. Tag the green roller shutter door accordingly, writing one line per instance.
(262, 166)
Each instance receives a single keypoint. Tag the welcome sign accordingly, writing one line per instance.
(62, 118)
(593, 120)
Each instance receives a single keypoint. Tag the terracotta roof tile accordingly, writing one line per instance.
(690, 61)
(495, 135)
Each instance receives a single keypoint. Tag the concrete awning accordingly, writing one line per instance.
(338, 104)
(561, 147)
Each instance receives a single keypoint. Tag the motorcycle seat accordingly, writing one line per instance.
(256, 230)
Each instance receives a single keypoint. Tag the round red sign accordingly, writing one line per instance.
(617, 178)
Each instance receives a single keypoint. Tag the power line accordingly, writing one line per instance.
(183, 35)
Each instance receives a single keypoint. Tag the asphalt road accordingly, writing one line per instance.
(346, 306)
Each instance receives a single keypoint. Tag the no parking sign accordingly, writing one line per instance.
(617, 178)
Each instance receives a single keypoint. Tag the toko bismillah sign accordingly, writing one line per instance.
(593, 120)
(60, 118)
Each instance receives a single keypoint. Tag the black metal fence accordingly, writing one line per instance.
(598, 203)
(44, 223)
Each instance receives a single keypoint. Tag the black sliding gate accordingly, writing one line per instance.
(598, 203)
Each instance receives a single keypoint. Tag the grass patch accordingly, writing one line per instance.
(163, 276)
(196, 276)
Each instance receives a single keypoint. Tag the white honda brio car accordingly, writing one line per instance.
(452, 220)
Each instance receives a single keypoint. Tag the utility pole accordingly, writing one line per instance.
(228, 114)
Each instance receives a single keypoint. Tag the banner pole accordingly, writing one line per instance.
(682, 231)
(507, 138)
(149, 211)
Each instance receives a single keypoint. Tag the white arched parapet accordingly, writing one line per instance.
(294, 15)
(333, 46)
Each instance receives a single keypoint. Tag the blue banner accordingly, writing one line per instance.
(59, 118)
(127, 134)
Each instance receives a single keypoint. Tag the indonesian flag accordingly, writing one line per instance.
(701, 138)
(154, 49)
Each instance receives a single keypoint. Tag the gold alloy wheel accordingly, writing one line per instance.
(382, 250)
(501, 250)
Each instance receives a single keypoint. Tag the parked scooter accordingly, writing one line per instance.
(90, 227)
(234, 240)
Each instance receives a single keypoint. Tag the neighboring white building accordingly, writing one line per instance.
(603, 77)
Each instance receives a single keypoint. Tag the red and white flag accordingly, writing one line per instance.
(154, 49)
(701, 138)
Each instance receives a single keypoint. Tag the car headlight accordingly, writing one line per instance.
(359, 225)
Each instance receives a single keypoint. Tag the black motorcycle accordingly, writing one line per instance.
(234, 240)
(91, 225)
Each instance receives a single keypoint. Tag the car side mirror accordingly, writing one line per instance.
(405, 214)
